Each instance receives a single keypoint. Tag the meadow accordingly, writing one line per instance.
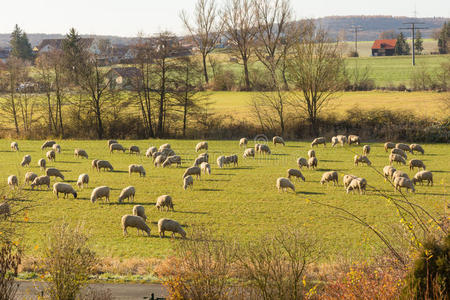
(240, 202)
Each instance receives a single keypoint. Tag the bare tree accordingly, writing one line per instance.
(206, 30)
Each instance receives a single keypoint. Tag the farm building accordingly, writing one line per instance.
(124, 78)
(383, 47)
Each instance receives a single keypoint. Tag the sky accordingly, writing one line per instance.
(129, 17)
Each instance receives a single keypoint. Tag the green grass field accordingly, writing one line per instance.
(239, 202)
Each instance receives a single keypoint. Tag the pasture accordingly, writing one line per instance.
(240, 202)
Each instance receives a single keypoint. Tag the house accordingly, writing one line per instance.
(47, 45)
(384, 47)
(4, 54)
(126, 78)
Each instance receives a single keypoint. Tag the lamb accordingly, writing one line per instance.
(29, 177)
(51, 155)
(56, 148)
(136, 222)
(14, 146)
(423, 175)
(82, 180)
(26, 160)
(174, 159)
(134, 149)
(400, 182)
(127, 193)
(159, 160)
(112, 142)
(188, 181)
(164, 201)
(388, 145)
(302, 162)
(42, 163)
(164, 146)
(192, 171)
(41, 180)
(5, 210)
(139, 210)
(249, 152)
(353, 139)
(204, 157)
(416, 163)
(319, 140)
(221, 161)
(47, 144)
(94, 163)
(416, 147)
(64, 188)
(334, 141)
(201, 145)
(312, 162)
(133, 168)
(397, 158)
(54, 172)
(357, 184)
(399, 152)
(347, 179)
(170, 225)
(366, 150)
(388, 172)
(399, 173)
(116, 147)
(264, 149)
(150, 151)
(295, 173)
(404, 147)
(104, 164)
(342, 139)
(80, 153)
(330, 176)
(361, 159)
(284, 183)
(278, 140)
(100, 192)
(243, 142)
(206, 168)
(311, 153)
(13, 182)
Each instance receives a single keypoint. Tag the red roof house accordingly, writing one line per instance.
(384, 47)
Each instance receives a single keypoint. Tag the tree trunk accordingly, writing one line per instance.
(205, 71)
(246, 75)
(13, 106)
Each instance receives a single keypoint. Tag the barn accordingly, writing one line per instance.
(384, 47)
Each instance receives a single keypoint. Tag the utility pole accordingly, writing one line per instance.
(356, 29)
(413, 28)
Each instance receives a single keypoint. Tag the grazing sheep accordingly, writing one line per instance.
(278, 140)
(64, 188)
(399, 152)
(82, 180)
(26, 160)
(423, 175)
(14, 146)
(133, 168)
(388, 145)
(399, 173)
(249, 152)
(388, 172)
(134, 149)
(135, 222)
(116, 147)
(51, 155)
(347, 179)
(311, 153)
(416, 147)
(312, 162)
(264, 149)
(319, 140)
(397, 158)
(47, 144)
(94, 163)
(357, 184)
(139, 210)
(56, 148)
(243, 142)
(164, 201)
(221, 161)
(5, 210)
(342, 139)
(295, 173)
(164, 146)
(104, 164)
(201, 145)
(404, 147)
(110, 142)
(201, 159)
(302, 162)
(80, 153)
(159, 160)
(257, 148)
(41, 180)
(231, 159)
(416, 163)
(334, 141)
(330, 176)
(54, 172)
(100, 192)
(353, 139)
(42, 163)
(206, 168)
(170, 225)
(284, 183)
(366, 150)
(174, 159)
(402, 182)
(192, 171)
(188, 181)
(29, 177)
(156, 154)
(13, 182)
(127, 193)
(150, 151)
(361, 159)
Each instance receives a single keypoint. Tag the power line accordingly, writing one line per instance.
(356, 29)
(413, 29)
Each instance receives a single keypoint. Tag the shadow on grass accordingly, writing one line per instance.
(69, 162)
(70, 180)
(211, 190)
(192, 212)
(328, 160)
(126, 203)
(440, 171)
(326, 170)
(119, 171)
(221, 174)
(280, 154)
(309, 193)
(433, 194)
(217, 180)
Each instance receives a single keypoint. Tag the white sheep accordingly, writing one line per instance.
(188, 181)
(54, 172)
(174, 159)
(388, 145)
(47, 144)
(41, 180)
(404, 147)
(416, 163)
(82, 180)
(57, 148)
(388, 172)
(139, 210)
(192, 171)
(399, 173)
(112, 142)
(361, 159)
(342, 139)
(159, 160)
(278, 140)
(5, 210)
(397, 158)
(201, 159)
(135, 222)
(264, 149)
(399, 152)
(134, 168)
(221, 161)
(14, 146)
(284, 183)
(13, 182)
(134, 149)
(302, 162)
(104, 164)
(51, 155)
(64, 188)
(249, 152)
(150, 151)
(127, 193)
(319, 140)
(416, 147)
(366, 150)
(201, 146)
(231, 159)
(243, 142)
(26, 160)
(116, 147)
(29, 177)
(164, 201)
(80, 153)
(257, 148)
(330, 176)
(423, 175)
(347, 179)
(357, 184)
(295, 173)
(353, 139)
(402, 182)
(170, 225)
(311, 153)
(206, 168)
(312, 162)
(167, 152)
(164, 146)
(94, 163)
(100, 192)
(334, 141)
(42, 163)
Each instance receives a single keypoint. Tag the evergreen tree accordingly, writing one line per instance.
(444, 39)
(401, 47)
(73, 53)
(418, 43)
(20, 46)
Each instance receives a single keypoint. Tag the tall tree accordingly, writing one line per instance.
(444, 39)
(401, 47)
(388, 35)
(20, 46)
(206, 30)
(418, 43)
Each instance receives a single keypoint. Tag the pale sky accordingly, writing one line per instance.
(128, 17)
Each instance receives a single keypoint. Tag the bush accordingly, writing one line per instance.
(353, 54)
(10, 258)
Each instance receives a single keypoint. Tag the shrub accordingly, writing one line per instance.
(10, 258)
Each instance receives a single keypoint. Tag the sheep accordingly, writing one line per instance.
(156, 154)
(257, 148)
(139, 210)
(150, 151)
(400, 182)
(278, 140)
(164, 201)
(204, 157)
(133, 168)
(104, 164)
(302, 162)
(116, 147)
(174, 159)
(112, 142)
(5, 210)
(397, 158)
(170, 225)
(416, 147)
(134, 149)
(164, 146)
(334, 141)
(243, 142)
(201, 145)
(330, 176)
(319, 140)
(56, 148)
(353, 139)
(342, 139)
(366, 150)
(399, 152)
(14, 146)
(205, 167)
(264, 149)
(399, 173)
(284, 183)
(42, 163)
(347, 179)
(136, 222)
(188, 181)
(26, 160)
(221, 161)
(416, 163)
(295, 173)
(311, 153)
(249, 152)
(127, 193)
(159, 160)
(312, 162)
(54, 172)
(167, 152)
(29, 177)
(361, 159)
(47, 144)
(94, 163)
(388, 171)
(192, 171)
(357, 184)
(231, 159)
(13, 182)
(404, 147)
(423, 175)
(80, 153)
(51, 155)
(82, 180)
(388, 145)
(64, 188)
(41, 180)
(100, 192)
